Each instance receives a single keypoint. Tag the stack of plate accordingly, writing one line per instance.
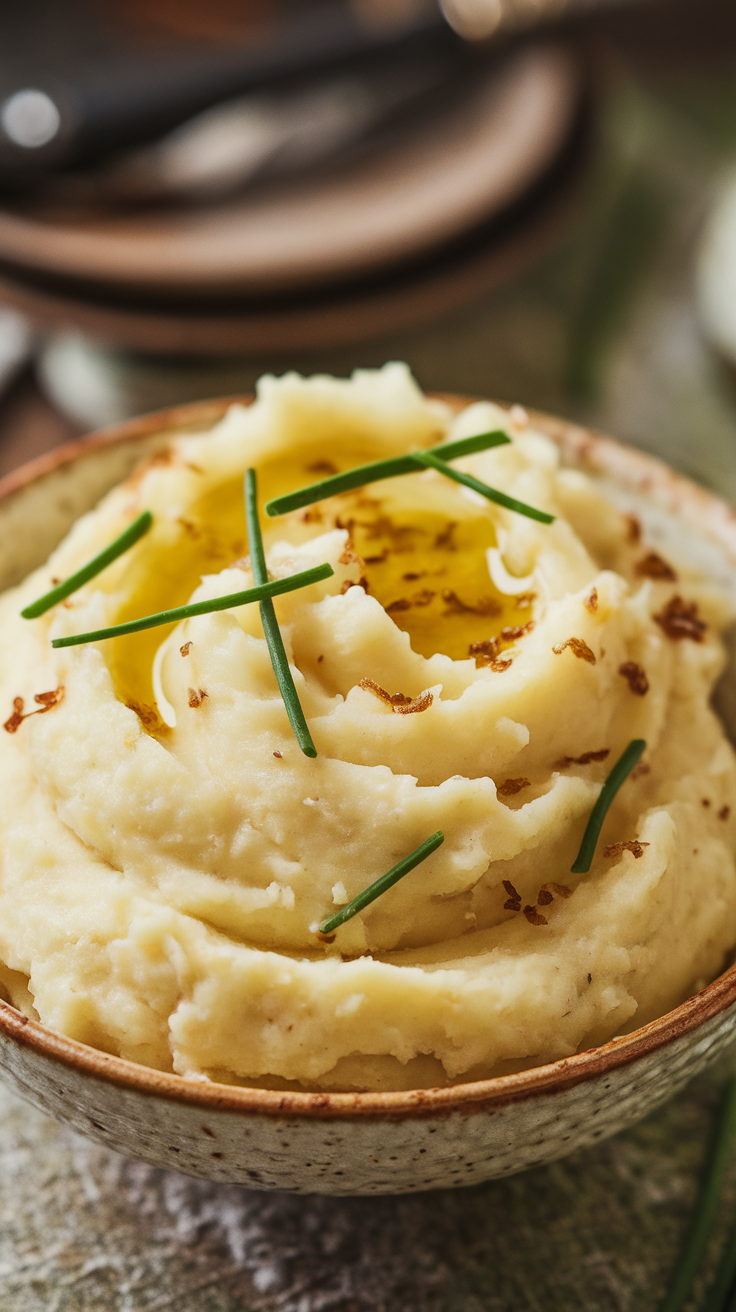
(452, 203)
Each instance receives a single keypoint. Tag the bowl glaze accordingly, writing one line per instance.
(347, 1143)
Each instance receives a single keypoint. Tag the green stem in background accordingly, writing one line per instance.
(716, 1299)
(621, 769)
(706, 1206)
(379, 469)
(266, 590)
(95, 566)
(625, 245)
(430, 461)
(271, 629)
(379, 886)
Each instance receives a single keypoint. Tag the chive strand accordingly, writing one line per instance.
(123, 543)
(266, 590)
(620, 771)
(706, 1206)
(380, 469)
(380, 885)
(271, 629)
(430, 461)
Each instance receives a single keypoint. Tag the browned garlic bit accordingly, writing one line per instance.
(578, 647)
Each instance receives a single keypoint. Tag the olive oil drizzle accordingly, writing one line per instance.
(429, 572)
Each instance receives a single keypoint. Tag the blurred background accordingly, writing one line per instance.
(529, 199)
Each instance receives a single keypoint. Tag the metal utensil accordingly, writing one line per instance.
(274, 134)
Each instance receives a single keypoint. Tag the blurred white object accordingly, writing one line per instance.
(30, 119)
(95, 384)
(16, 345)
(716, 273)
(72, 374)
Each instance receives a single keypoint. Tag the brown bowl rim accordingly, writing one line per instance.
(591, 450)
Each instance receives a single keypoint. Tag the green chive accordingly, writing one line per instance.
(705, 1208)
(621, 769)
(271, 629)
(265, 590)
(95, 566)
(429, 459)
(379, 469)
(379, 886)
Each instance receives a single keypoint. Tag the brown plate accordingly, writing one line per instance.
(390, 301)
(452, 171)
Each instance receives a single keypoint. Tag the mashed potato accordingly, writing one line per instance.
(168, 851)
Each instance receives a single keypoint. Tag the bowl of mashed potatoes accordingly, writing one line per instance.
(184, 973)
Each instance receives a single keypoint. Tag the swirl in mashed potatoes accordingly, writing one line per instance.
(168, 851)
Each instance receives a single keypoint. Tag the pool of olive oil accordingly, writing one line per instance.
(421, 546)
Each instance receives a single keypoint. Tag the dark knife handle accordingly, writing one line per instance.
(46, 125)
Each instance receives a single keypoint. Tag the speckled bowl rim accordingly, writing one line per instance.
(591, 451)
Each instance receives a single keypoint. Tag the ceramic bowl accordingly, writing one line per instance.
(341, 1143)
